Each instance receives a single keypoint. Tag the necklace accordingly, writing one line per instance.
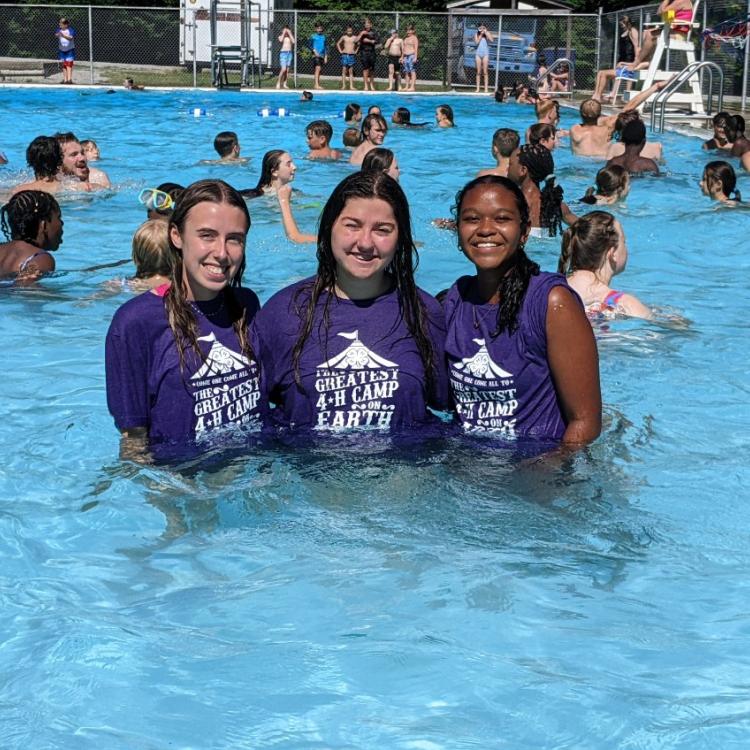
(210, 314)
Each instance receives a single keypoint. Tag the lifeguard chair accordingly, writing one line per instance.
(668, 43)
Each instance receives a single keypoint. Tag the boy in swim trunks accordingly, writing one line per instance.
(410, 57)
(320, 55)
(66, 49)
(394, 46)
(285, 57)
(347, 45)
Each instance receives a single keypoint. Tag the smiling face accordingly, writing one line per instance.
(212, 242)
(91, 152)
(376, 133)
(284, 173)
(364, 240)
(489, 228)
(74, 162)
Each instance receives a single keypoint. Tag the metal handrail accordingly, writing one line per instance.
(662, 97)
(551, 69)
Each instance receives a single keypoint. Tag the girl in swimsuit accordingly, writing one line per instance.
(593, 251)
(612, 186)
(482, 56)
(32, 222)
(720, 182)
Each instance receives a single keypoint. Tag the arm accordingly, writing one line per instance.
(42, 264)
(338, 45)
(567, 215)
(290, 225)
(574, 366)
(636, 41)
(416, 49)
(490, 36)
(745, 161)
(634, 307)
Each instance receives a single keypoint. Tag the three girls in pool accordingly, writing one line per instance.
(357, 345)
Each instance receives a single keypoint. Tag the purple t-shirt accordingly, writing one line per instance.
(502, 384)
(364, 371)
(147, 388)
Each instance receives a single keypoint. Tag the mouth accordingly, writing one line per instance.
(216, 272)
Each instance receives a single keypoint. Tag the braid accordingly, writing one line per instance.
(550, 215)
(512, 290)
(566, 250)
(24, 212)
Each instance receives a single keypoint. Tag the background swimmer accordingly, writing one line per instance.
(382, 160)
(593, 252)
(719, 182)
(612, 185)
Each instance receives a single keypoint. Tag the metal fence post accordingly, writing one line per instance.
(597, 58)
(195, 52)
(747, 63)
(616, 45)
(91, 45)
(497, 52)
(296, 42)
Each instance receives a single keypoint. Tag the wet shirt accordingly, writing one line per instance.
(147, 388)
(502, 384)
(362, 371)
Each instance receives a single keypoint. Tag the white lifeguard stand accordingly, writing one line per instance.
(667, 43)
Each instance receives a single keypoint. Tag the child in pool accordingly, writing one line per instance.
(358, 345)
(593, 252)
(521, 354)
(32, 223)
(90, 151)
(178, 358)
(720, 182)
(612, 186)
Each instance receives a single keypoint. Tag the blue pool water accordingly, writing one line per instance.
(361, 595)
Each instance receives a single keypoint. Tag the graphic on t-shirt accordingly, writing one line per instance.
(225, 388)
(355, 388)
(484, 392)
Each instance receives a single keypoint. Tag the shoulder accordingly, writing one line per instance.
(285, 301)
(139, 312)
(248, 299)
(547, 289)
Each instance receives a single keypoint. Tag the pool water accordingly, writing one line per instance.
(359, 594)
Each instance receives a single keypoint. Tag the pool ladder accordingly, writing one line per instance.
(571, 76)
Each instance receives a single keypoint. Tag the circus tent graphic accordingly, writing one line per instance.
(220, 360)
(356, 356)
(481, 364)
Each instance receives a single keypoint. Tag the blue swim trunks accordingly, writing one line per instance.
(67, 56)
(347, 61)
(285, 59)
(409, 63)
(625, 73)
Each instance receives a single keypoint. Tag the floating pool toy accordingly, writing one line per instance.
(198, 112)
(272, 112)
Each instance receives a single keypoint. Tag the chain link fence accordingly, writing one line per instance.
(732, 58)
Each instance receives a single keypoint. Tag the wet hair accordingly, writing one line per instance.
(371, 110)
(541, 166)
(307, 96)
(609, 181)
(720, 117)
(446, 111)
(500, 95)
(63, 138)
(225, 142)
(590, 110)
(723, 172)
(505, 141)
(371, 120)
(729, 123)
(378, 160)
(44, 156)
(513, 285)
(321, 128)
(634, 133)
(351, 110)
(21, 216)
(174, 191)
(622, 120)
(545, 106)
(180, 313)
(88, 142)
(585, 243)
(352, 137)
(151, 252)
(739, 124)
(541, 131)
(270, 163)
(402, 116)
(367, 185)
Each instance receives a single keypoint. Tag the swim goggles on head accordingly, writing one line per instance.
(155, 199)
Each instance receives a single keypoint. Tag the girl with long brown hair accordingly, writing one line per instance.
(179, 362)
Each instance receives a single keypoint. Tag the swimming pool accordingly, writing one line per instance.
(362, 595)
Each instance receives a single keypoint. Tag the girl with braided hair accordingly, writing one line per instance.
(521, 354)
(179, 362)
(593, 252)
(529, 167)
(32, 222)
(358, 345)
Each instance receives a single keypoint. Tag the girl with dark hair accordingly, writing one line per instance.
(529, 167)
(179, 362)
(593, 251)
(358, 344)
(444, 116)
(720, 182)
(44, 156)
(374, 130)
(521, 354)
(382, 160)
(277, 169)
(32, 223)
(612, 185)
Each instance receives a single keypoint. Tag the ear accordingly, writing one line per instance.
(611, 256)
(175, 237)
